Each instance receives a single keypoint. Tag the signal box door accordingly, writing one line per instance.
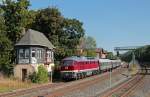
(24, 74)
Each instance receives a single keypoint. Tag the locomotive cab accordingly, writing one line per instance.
(68, 69)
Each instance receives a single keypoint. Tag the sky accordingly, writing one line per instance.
(113, 23)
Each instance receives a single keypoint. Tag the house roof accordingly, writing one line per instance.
(33, 37)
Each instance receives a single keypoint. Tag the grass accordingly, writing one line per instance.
(133, 69)
(9, 84)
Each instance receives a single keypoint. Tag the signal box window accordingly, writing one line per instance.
(21, 54)
(33, 53)
(24, 53)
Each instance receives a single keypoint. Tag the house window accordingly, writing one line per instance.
(48, 54)
(33, 53)
(39, 54)
(33, 57)
(23, 53)
(26, 53)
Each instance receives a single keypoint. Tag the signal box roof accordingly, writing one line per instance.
(32, 38)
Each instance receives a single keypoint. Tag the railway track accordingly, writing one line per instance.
(141, 89)
(59, 89)
(82, 85)
(129, 92)
(124, 89)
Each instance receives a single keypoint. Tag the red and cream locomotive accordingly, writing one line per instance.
(78, 67)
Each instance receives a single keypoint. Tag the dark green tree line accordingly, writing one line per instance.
(142, 54)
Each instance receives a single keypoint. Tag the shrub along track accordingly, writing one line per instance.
(123, 89)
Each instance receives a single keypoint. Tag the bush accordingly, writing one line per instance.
(41, 76)
(33, 77)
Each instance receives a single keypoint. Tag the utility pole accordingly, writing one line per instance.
(110, 77)
(52, 76)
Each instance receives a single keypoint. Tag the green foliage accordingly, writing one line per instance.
(5, 55)
(16, 15)
(5, 48)
(88, 44)
(33, 77)
(56, 72)
(2, 22)
(41, 76)
(31, 18)
(64, 33)
(110, 55)
(89, 53)
(72, 32)
(49, 21)
(141, 54)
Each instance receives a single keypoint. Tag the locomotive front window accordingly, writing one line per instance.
(67, 62)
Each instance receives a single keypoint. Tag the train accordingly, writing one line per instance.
(77, 67)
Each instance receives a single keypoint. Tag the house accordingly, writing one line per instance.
(101, 53)
(33, 50)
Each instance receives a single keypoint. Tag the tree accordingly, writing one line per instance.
(5, 48)
(64, 33)
(5, 55)
(72, 32)
(16, 15)
(49, 21)
(141, 54)
(88, 44)
(110, 55)
(2, 22)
